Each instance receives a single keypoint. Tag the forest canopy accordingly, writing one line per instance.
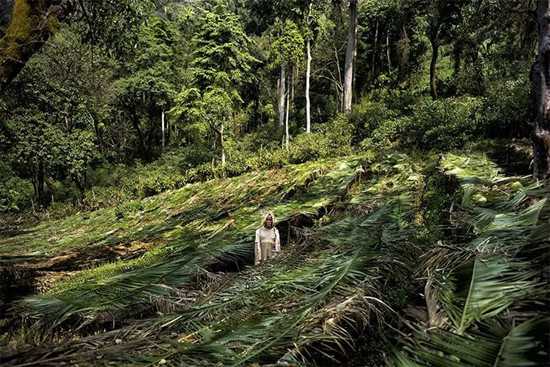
(91, 85)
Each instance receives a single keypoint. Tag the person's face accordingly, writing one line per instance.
(269, 222)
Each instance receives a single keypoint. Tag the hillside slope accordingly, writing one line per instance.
(369, 247)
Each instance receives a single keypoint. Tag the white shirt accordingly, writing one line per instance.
(266, 235)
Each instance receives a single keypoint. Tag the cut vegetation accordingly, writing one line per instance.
(433, 254)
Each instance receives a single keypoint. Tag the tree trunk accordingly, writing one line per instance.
(308, 75)
(541, 88)
(26, 28)
(433, 69)
(282, 95)
(291, 82)
(350, 53)
(374, 51)
(339, 96)
(388, 50)
(287, 134)
(163, 130)
(222, 145)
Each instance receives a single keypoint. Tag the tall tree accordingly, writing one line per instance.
(26, 25)
(308, 67)
(443, 15)
(288, 51)
(281, 93)
(151, 83)
(541, 88)
(221, 69)
(350, 55)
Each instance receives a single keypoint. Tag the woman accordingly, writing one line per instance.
(267, 242)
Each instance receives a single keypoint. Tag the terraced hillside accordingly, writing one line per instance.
(405, 260)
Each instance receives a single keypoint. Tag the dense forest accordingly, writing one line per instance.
(402, 146)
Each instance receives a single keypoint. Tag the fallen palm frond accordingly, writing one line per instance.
(371, 241)
(204, 239)
(309, 304)
(484, 289)
(495, 279)
(497, 345)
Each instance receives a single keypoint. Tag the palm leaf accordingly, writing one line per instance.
(484, 288)
(524, 345)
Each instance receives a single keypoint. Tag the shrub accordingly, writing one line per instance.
(507, 108)
(446, 124)
(15, 194)
(368, 115)
(338, 136)
(112, 184)
(441, 124)
(390, 133)
(329, 140)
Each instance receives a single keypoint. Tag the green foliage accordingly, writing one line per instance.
(481, 285)
(15, 193)
(445, 124)
(328, 140)
(502, 345)
(506, 110)
(368, 115)
(150, 226)
(116, 184)
(440, 124)
(222, 57)
(288, 44)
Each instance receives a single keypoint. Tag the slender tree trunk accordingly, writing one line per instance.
(222, 145)
(541, 88)
(350, 53)
(308, 71)
(282, 95)
(163, 131)
(308, 76)
(433, 69)
(375, 51)
(388, 50)
(287, 134)
(291, 82)
(339, 96)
